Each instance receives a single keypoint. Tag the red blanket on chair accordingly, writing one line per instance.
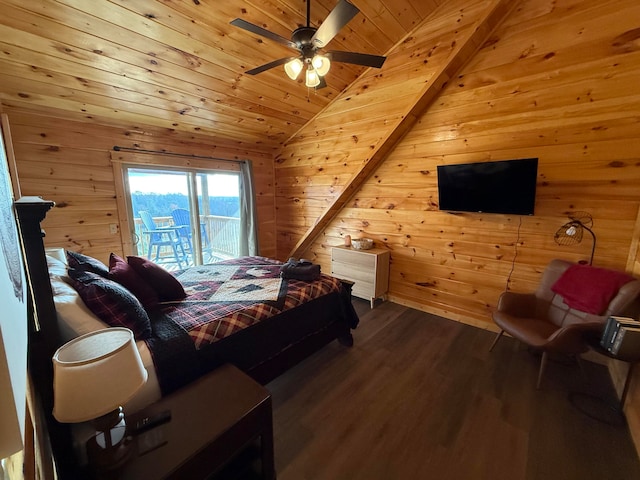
(589, 289)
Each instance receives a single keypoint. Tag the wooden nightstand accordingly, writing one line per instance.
(214, 420)
(368, 269)
(631, 359)
(596, 407)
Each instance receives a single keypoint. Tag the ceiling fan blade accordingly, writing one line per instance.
(322, 83)
(267, 66)
(356, 58)
(337, 18)
(238, 22)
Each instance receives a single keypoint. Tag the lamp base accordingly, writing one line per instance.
(110, 448)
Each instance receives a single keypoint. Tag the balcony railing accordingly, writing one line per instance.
(222, 233)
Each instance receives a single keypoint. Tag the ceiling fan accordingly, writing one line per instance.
(308, 41)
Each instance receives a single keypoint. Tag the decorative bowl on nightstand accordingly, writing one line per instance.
(362, 243)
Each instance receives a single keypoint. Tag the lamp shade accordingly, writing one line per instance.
(312, 79)
(96, 373)
(321, 64)
(293, 68)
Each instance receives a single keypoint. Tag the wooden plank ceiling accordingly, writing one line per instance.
(179, 64)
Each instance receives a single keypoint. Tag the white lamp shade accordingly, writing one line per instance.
(96, 373)
(312, 80)
(321, 64)
(293, 68)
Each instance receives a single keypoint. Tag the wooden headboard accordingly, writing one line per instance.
(44, 335)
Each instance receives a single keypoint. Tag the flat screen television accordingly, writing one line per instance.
(506, 186)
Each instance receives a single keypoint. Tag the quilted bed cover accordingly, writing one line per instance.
(224, 299)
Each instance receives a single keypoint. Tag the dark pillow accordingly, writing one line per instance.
(166, 285)
(111, 302)
(123, 273)
(80, 261)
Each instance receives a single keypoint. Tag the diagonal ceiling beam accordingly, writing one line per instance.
(463, 49)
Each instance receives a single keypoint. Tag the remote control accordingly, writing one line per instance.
(147, 423)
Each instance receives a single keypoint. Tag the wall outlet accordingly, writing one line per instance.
(113, 228)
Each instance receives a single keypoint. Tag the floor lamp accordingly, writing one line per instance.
(571, 233)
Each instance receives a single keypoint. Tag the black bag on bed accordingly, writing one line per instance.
(300, 270)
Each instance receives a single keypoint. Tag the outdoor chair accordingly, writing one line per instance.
(182, 219)
(160, 237)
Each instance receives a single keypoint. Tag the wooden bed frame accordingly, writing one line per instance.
(45, 337)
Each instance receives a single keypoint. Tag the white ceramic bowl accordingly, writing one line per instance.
(362, 243)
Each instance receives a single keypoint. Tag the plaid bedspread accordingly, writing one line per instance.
(228, 296)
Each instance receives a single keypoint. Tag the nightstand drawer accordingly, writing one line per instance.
(363, 290)
(352, 272)
(356, 258)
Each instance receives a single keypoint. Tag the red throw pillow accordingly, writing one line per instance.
(166, 285)
(123, 273)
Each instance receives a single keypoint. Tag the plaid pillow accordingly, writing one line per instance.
(111, 302)
(123, 273)
(80, 261)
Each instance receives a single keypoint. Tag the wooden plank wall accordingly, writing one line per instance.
(558, 80)
(320, 163)
(395, 96)
(68, 161)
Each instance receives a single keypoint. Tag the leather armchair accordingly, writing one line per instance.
(545, 322)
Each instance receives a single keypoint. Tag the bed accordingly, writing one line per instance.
(285, 322)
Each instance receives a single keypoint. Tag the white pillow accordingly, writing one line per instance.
(74, 318)
(58, 277)
(57, 253)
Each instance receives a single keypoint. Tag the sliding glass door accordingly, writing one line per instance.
(183, 217)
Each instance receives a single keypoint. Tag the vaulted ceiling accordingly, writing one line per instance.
(179, 64)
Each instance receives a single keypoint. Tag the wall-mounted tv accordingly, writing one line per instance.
(506, 186)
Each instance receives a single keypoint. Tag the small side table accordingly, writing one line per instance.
(630, 359)
(368, 269)
(577, 399)
(213, 420)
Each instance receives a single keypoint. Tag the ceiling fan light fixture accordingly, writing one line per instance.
(293, 68)
(307, 40)
(312, 78)
(321, 64)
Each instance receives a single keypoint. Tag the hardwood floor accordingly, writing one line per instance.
(420, 397)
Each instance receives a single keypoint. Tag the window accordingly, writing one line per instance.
(181, 216)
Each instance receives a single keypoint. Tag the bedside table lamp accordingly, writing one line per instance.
(93, 375)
